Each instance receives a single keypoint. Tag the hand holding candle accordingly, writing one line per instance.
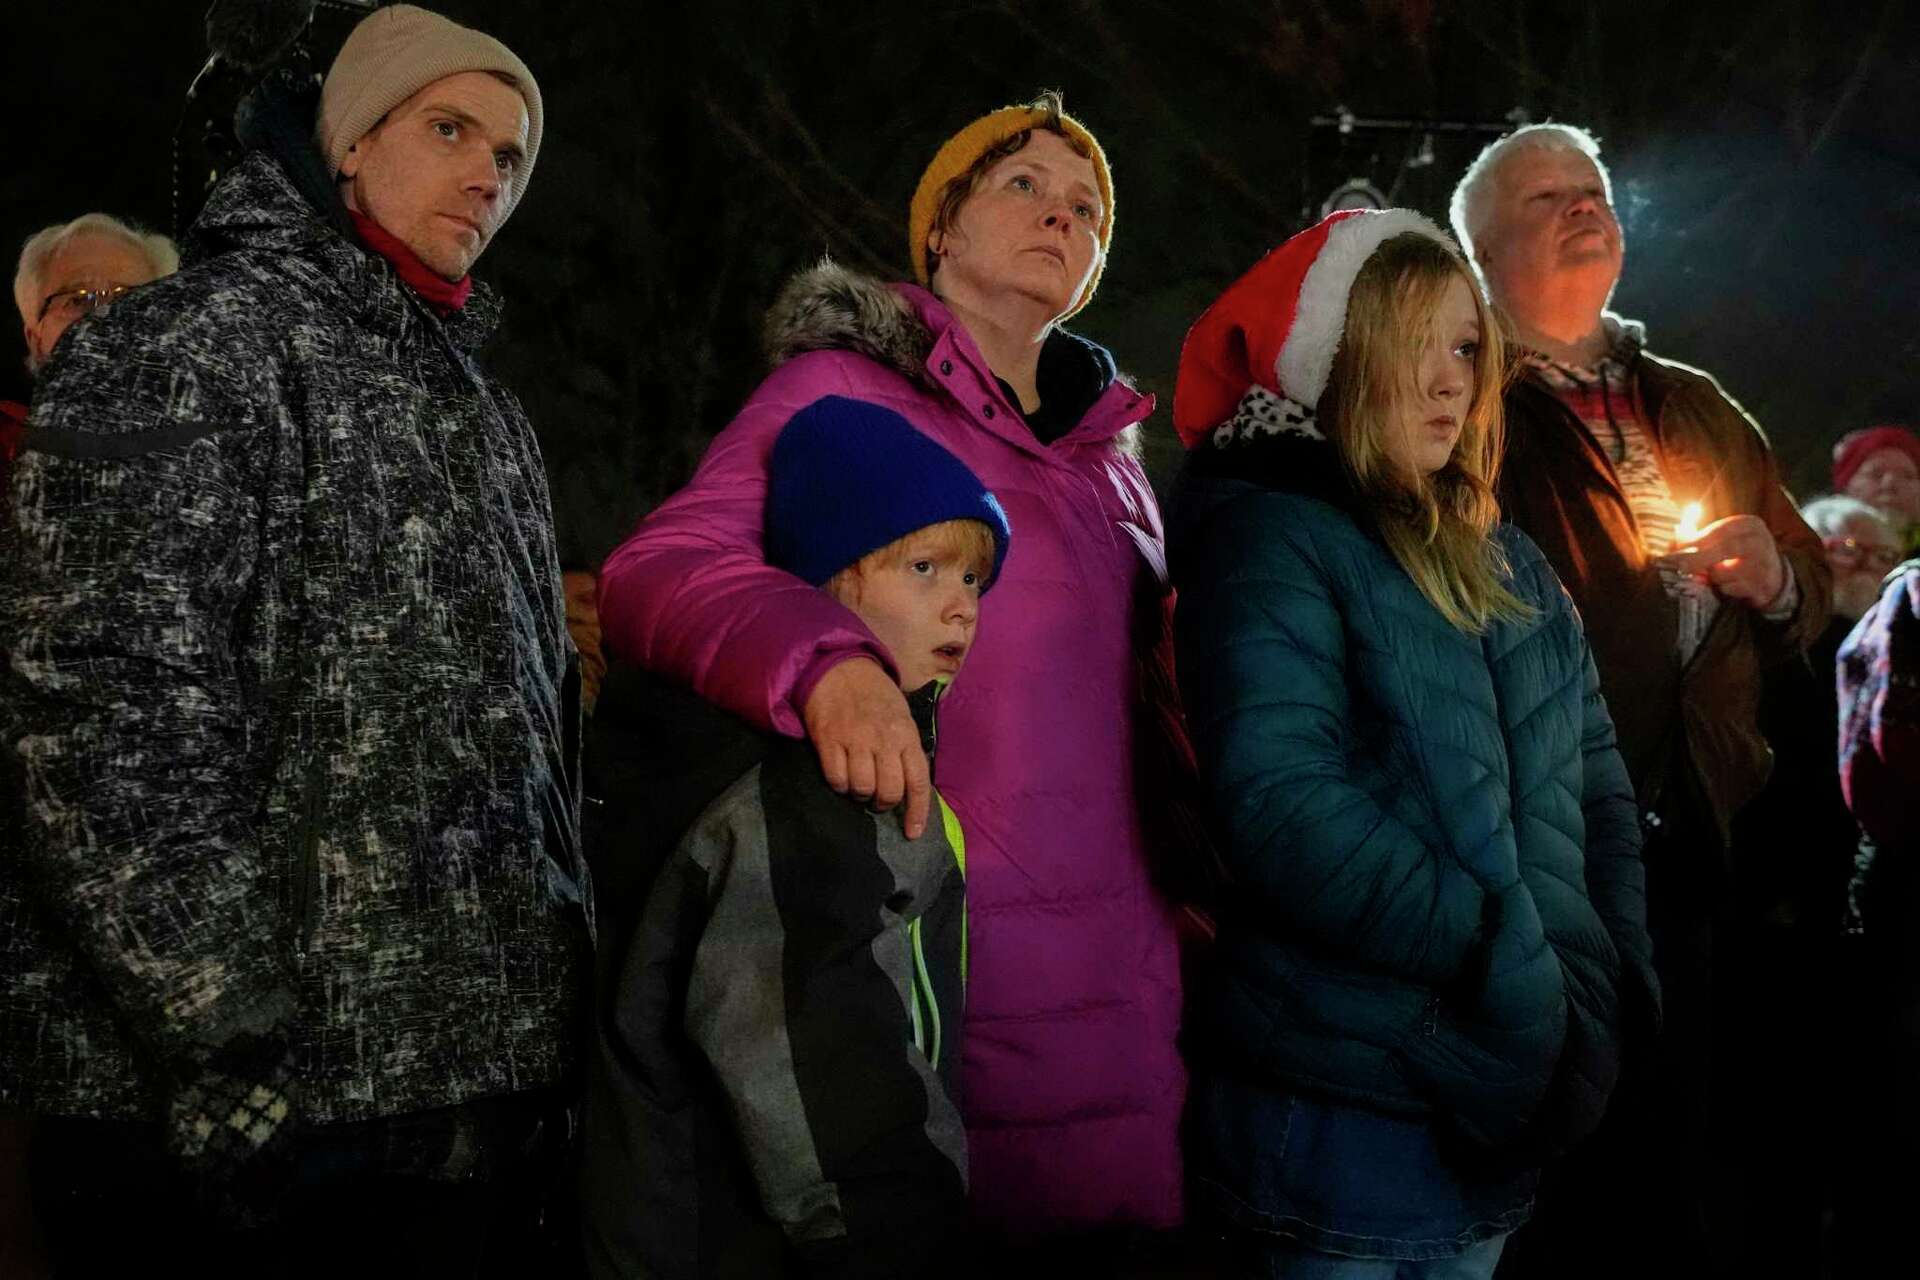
(1736, 555)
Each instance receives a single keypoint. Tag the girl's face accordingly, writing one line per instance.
(1434, 408)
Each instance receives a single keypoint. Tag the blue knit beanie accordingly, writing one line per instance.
(848, 477)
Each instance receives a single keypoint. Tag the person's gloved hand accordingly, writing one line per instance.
(229, 1121)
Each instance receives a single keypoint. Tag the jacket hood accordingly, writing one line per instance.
(1625, 338)
(299, 206)
(828, 307)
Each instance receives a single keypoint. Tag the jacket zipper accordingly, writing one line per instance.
(306, 870)
(923, 985)
(913, 1002)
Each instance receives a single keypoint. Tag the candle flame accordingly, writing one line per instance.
(1689, 527)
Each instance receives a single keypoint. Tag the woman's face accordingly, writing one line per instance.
(1433, 412)
(1890, 481)
(1030, 231)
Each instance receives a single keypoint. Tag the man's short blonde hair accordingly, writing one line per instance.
(1472, 205)
(42, 245)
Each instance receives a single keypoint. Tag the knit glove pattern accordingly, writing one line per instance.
(229, 1121)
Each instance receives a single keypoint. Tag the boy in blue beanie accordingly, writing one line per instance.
(770, 1088)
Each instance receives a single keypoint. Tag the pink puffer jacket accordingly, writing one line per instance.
(1070, 1081)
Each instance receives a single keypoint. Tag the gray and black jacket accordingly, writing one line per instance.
(285, 693)
(770, 1091)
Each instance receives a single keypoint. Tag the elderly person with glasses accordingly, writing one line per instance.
(70, 269)
(66, 271)
(1863, 546)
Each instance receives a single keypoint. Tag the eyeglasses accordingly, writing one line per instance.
(81, 301)
(1851, 553)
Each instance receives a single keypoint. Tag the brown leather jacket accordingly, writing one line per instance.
(1559, 485)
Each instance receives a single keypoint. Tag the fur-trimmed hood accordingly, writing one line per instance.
(828, 307)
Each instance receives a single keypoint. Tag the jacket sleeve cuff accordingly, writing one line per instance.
(1787, 603)
(823, 661)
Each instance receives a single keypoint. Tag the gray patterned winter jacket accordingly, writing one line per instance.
(286, 659)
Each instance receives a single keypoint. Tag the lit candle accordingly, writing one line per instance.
(1688, 530)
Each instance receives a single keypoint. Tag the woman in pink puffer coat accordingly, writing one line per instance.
(1070, 1081)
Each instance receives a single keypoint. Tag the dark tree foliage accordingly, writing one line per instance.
(697, 154)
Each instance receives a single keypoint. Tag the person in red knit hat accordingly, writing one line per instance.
(1881, 467)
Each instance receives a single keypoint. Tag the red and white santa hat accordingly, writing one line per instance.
(1279, 325)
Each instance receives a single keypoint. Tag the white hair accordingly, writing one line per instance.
(1472, 203)
(40, 247)
(1826, 516)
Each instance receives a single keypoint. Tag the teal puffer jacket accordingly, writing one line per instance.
(1438, 900)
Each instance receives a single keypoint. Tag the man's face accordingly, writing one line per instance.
(87, 271)
(437, 172)
(1860, 552)
(1551, 227)
(1031, 229)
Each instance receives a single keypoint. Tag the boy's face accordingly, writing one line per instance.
(922, 603)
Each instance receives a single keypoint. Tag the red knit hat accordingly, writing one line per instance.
(1279, 325)
(1856, 447)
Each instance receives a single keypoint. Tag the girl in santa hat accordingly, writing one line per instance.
(1436, 942)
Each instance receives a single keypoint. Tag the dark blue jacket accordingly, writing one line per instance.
(1438, 905)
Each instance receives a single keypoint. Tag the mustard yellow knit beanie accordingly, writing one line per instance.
(965, 147)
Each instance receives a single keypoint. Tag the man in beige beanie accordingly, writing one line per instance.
(432, 129)
(295, 933)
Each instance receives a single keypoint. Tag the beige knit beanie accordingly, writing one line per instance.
(393, 54)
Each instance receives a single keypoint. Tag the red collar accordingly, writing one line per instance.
(444, 296)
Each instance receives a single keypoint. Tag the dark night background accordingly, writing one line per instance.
(1763, 155)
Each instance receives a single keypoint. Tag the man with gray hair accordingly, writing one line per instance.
(1659, 503)
(73, 268)
(67, 271)
(292, 955)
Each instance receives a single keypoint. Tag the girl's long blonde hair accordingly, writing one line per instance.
(1437, 526)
